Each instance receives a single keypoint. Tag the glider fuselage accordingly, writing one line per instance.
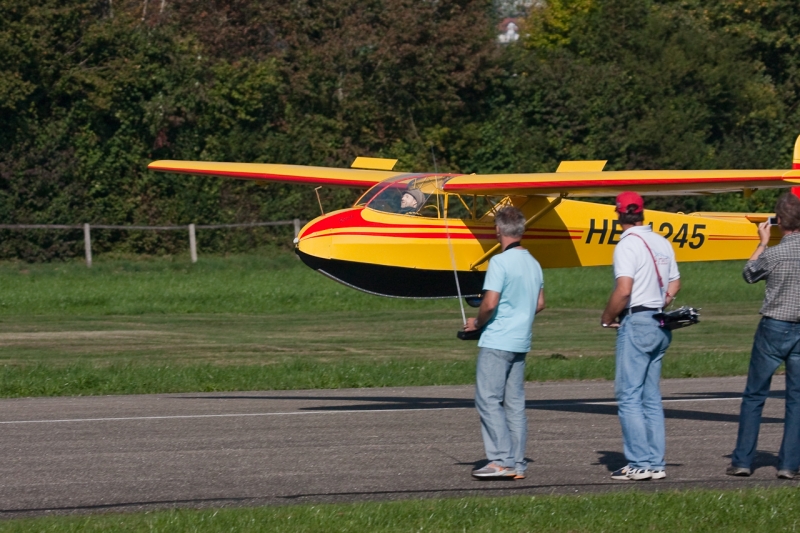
(414, 256)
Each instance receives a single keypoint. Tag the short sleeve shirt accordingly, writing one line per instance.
(517, 276)
(632, 259)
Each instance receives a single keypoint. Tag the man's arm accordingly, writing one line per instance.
(540, 303)
(489, 303)
(756, 269)
(672, 290)
(617, 301)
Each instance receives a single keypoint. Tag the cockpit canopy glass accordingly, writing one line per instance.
(407, 195)
(423, 196)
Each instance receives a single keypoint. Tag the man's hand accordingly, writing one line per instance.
(470, 325)
(672, 291)
(613, 325)
(491, 300)
(764, 231)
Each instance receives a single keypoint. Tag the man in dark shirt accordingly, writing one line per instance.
(777, 341)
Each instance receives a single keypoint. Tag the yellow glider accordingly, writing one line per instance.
(374, 247)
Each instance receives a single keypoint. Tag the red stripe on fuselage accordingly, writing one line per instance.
(354, 218)
(431, 235)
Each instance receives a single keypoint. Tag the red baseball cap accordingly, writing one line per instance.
(628, 198)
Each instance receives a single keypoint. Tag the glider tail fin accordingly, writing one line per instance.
(796, 158)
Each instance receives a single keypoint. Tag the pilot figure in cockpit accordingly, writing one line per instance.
(411, 201)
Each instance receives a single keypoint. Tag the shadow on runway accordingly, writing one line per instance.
(483, 462)
(595, 406)
(611, 460)
(763, 459)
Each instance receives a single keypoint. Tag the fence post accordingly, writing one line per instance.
(296, 227)
(87, 244)
(192, 244)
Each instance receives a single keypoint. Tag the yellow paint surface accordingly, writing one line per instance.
(573, 234)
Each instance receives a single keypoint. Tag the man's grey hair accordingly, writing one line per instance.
(511, 222)
(788, 209)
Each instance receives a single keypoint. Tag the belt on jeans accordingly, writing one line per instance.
(778, 320)
(640, 309)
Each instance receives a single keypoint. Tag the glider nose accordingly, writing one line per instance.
(325, 241)
(313, 248)
(313, 242)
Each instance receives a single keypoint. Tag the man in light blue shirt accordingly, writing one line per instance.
(513, 294)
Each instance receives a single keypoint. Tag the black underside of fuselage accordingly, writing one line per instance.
(396, 281)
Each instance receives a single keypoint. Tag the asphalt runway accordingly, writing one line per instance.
(128, 453)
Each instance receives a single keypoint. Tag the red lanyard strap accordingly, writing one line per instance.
(653, 257)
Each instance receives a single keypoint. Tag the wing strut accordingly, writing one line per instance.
(552, 205)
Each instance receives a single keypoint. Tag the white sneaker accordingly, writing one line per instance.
(493, 471)
(658, 474)
(626, 473)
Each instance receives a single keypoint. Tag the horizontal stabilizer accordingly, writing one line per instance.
(581, 166)
(374, 163)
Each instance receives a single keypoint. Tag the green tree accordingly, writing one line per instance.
(641, 84)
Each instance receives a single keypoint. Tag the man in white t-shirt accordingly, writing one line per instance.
(647, 280)
(513, 294)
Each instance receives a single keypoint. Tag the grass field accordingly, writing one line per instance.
(264, 321)
(697, 511)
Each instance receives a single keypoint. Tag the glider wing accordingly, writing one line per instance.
(586, 178)
(598, 183)
(331, 177)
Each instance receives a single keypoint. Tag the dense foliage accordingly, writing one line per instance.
(93, 90)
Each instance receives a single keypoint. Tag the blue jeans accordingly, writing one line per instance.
(500, 400)
(641, 345)
(775, 342)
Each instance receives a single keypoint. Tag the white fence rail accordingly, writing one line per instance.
(87, 231)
